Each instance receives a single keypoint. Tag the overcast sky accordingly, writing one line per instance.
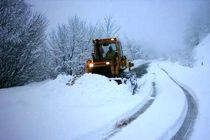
(155, 23)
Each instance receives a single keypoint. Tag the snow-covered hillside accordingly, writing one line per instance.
(198, 80)
(202, 52)
(96, 108)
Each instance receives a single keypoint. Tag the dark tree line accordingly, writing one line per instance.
(22, 34)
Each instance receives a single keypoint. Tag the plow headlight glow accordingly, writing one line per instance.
(107, 63)
(91, 65)
(112, 39)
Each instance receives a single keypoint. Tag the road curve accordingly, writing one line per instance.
(140, 71)
(124, 122)
(186, 128)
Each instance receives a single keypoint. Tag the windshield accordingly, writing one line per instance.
(106, 49)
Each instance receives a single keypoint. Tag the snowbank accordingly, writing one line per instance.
(52, 110)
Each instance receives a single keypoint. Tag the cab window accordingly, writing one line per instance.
(106, 48)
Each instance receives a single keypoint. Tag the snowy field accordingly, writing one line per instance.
(93, 105)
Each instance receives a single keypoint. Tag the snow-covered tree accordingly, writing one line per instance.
(21, 35)
(134, 50)
(71, 45)
(108, 28)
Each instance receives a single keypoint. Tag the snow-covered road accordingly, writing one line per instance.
(95, 108)
(184, 131)
(164, 117)
(192, 111)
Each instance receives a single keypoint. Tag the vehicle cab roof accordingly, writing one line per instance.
(105, 41)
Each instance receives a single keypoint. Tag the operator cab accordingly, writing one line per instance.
(103, 47)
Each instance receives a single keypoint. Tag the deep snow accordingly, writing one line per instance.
(88, 109)
(53, 110)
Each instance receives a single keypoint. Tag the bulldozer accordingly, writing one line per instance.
(108, 60)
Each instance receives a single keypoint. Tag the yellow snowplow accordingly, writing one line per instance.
(107, 58)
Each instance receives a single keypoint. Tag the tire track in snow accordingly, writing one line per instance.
(124, 122)
(186, 128)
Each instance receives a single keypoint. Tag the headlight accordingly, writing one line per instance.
(91, 65)
(107, 63)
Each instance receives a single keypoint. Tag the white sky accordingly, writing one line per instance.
(154, 23)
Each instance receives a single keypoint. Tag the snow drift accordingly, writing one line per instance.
(53, 110)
